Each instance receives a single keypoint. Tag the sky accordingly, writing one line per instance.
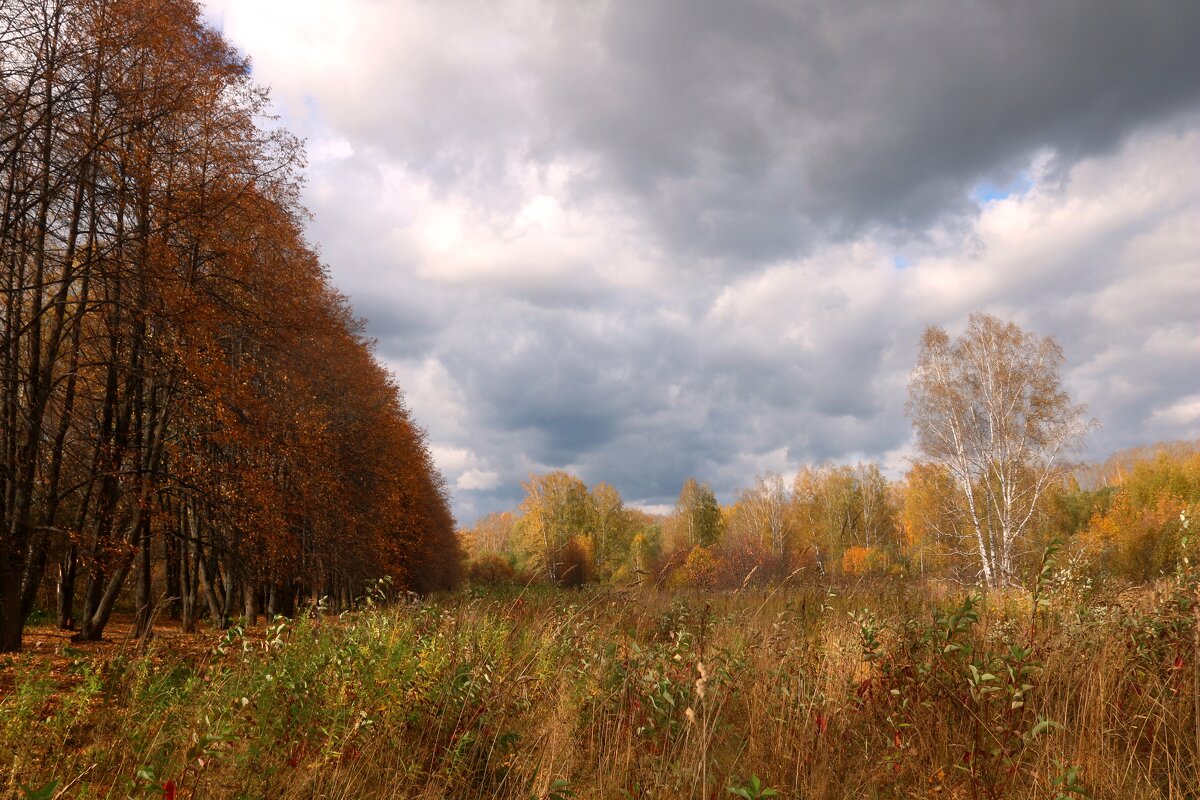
(642, 241)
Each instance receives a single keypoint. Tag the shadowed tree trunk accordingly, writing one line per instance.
(66, 589)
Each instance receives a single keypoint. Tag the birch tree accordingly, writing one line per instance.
(765, 510)
(990, 408)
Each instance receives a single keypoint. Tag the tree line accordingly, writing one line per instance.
(187, 405)
(993, 483)
(830, 520)
(835, 522)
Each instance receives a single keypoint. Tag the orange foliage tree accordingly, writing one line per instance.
(184, 396)
(1139, 534)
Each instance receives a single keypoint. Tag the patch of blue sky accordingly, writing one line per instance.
(986, 192)
(900, 262)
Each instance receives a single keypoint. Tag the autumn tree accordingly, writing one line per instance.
(820, 513)
(612, 528)
(837, 507)
(645, 545)
(567, 533)
(554, 515)
(931, 518)
(491, 535)
(759, 530)
(697, 515)
(989, 407)
(1136, 532)
(765, 510)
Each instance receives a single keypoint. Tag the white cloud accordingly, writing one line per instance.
(478, 480)
(660, 509)
(1183, 414)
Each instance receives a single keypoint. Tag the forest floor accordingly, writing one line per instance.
(888, 690)
(55, 648)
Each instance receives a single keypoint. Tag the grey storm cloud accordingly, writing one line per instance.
(744, 130)
(739, 126)
(645, 241)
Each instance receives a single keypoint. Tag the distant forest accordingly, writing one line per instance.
(1119, 519)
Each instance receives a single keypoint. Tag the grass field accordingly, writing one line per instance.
(887, 690)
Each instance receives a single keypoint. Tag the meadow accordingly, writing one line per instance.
(868, 689)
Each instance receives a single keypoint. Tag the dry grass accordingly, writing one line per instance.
(630, 695)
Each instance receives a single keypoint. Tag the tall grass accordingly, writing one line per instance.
(888, 690)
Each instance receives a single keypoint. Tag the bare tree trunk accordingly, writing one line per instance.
(173, 574)
(184, 567)
(144, 589)
(231, 589)
(208, 577)
(250, 602)
(95, 621)
(11, 621)
(66, 588)
(35, 568)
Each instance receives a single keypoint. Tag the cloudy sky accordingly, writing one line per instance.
(647, 240)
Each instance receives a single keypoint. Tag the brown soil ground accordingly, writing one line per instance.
(46, 642)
